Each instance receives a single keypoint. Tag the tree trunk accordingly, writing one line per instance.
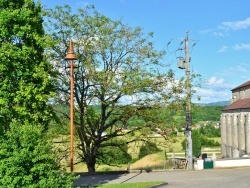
(91, 161)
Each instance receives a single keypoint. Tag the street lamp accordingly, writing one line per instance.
(71, 57)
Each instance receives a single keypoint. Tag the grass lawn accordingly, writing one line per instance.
(154, 161)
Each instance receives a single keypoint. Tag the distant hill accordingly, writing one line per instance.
(219, 103)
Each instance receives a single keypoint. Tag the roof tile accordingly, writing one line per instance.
(239, 104)
(242, 85)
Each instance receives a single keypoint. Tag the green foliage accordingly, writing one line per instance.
(114, 154)
(135, 122)
(199, 140)
(27, 159)
(196, 143)
(210, 131)
(184, 144)
(148, 148)
(119, 70)
(26, 83)
(205, 141)
(175, 115)
(206, 113)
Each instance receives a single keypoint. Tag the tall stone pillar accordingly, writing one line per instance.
(247, 134)
(229, 136)
(223, 134)
(241, 134)
(235, 136)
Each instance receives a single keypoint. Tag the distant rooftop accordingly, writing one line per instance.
(242, 85)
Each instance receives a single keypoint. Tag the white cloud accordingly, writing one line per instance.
(223, 49)
(236, 47)
(241, 69)
(241, 47)
(224, 28)
(236, 25)
(220, 34)
(215, 90)
(238, 71)
(215, 83)
(211, 95)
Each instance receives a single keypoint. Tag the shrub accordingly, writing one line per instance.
(184, 144)
(208, 142)
(27, 160)
(210, 131)
(196, 143)
(147, 149)
(199, 140)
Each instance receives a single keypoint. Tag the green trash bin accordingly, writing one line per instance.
(208, 163)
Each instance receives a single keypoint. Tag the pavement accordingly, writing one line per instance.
(208, 178)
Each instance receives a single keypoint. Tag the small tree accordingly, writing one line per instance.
(27, 160)
(196, 138)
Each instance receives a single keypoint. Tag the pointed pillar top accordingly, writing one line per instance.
(71, 54)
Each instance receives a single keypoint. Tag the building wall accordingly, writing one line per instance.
(235, 134)
(247, 93)
(241, 93)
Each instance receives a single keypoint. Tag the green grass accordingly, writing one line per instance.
(134, 185)
(171, 147)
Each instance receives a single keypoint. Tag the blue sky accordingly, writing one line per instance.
(221, 29)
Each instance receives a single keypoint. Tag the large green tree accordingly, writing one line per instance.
(120, 76)
(26, 81)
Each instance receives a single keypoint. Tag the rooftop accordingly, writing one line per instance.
(239, 104)
(242, 85)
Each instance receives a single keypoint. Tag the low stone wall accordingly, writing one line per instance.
(229, 163)
(222, 163)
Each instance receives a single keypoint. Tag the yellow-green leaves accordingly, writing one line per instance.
(26, 79)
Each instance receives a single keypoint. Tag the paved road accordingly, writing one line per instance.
(209, 178)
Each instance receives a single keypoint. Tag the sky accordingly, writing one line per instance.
(218, 31)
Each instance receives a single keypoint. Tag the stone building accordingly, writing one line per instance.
(235, 123)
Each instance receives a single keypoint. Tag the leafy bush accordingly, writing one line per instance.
(147, 149)
(196, 143)
(184, 144)
(27, 160)
(199, 140)
(210, 131)
(208, 142)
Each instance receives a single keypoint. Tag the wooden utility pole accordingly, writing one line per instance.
(185, 64)
(188, 127)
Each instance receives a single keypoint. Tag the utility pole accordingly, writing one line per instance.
(188, 128)
(185, 64)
